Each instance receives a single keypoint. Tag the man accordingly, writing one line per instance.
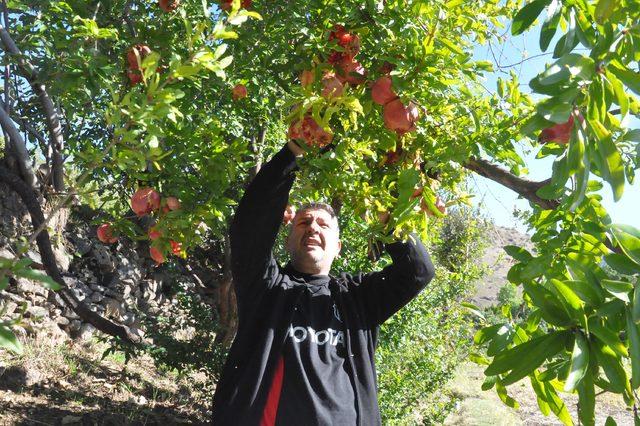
(304, 350)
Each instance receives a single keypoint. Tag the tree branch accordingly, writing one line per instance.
(48, 260)
(524, 187)
(53, 121)
(19, 148)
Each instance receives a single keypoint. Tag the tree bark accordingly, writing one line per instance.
(19, 148)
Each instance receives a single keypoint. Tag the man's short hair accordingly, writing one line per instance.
(318, 206)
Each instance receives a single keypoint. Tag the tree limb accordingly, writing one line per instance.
(524, 187)
(53, 122)
(48, 260)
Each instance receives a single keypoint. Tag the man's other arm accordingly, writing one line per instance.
(258, 218)
(383, 293)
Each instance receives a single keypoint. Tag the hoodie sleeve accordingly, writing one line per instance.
(257, 221)
(384, 292)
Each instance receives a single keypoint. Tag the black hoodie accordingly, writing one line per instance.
(268, 295)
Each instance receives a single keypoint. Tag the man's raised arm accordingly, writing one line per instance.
(257, 220)
(384, 292)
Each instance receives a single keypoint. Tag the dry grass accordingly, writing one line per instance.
(69, 384)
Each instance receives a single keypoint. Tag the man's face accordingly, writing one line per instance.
(313, 241)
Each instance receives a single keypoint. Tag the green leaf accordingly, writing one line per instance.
(487, 333)
(622, 264)
(635, 314)
(548, 30)
(610, 161)
(612, 366)
(8, 340)
(523, 359)
(569, 40)
(630, 78)
(634, 348)
(504, 396)
(572, 303)
(518, 253)
(579, 362)
(628, 239)
(541, 395)
(557, 405)
(587, 292)
(607, 336)
(527, 15)
(587, 401)
(604, 9)
(619, 289)
(552, 310)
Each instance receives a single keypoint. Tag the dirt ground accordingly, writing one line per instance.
(70, 385)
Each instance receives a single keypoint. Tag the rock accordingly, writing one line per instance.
(113, 308)
(69, 420)
(103, 257)
(75, 325)
(35, 256)
(83, 246)
(16, 378)
(62, 321)
(8, 307)
(96, 287)
(25, 286)
(86, 331)
(37, 311)
(128, 318)
(96, 297)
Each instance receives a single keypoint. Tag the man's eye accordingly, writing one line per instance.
(324, 225)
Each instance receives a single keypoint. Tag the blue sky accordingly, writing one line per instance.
(499, 202)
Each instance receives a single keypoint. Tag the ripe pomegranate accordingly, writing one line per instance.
(144, 201)
(138, 51)
(154, 234)
(417, 193)
(173, 203)
(105, 234)
(400, 118)
(226, 4)
(335, 57)
(289, 214)
(134, 77)
(239, 92)
(351, 71)
(306, 78)
(176, 247)
(383, 217)
(348, 41)
(560, 133)
(156, 255)
(331, 86)
(381, 91)
(309, 132)
(168, 5)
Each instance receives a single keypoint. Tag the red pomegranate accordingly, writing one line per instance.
(168, 5)
(386, 67)
(226, 4)
(393, 157)
(239, 92)
(105, 234)
(144, 201)
(400, 118)
(154, 234)
(176, 247)
(306, 78)
(138, 51)
(309, 132)
(348, 41)
(289, 214)
(331, 86)
(134, 76)
(560, 133)
(351, 71)
(381, 91)
(173, 203)
(156, 255)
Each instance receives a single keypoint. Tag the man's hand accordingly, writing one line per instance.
(295, 148)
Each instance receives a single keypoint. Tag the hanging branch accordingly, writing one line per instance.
(524, 187)
(28, 197)
(52, 119)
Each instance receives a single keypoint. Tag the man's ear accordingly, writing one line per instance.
(339, 247)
